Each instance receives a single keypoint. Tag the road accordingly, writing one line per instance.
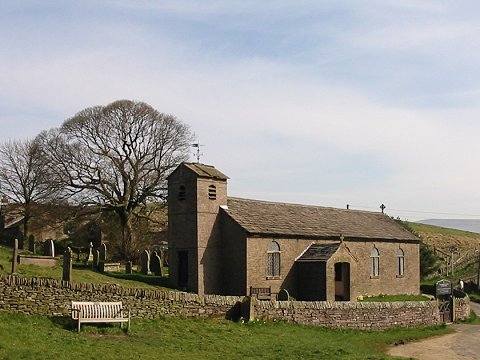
(464, 344)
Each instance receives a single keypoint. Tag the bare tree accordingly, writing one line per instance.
(25, 178)
(118, 156)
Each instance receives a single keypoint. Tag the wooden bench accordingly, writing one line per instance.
(261, 293)
(99, 312)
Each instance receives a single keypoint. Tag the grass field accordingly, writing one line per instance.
(175, 338)
(81, 274)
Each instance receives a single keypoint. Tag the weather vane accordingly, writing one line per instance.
(197, 154)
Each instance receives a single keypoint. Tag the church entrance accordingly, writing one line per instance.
(342, 281)
(183, 270)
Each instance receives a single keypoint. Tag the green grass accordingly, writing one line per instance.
(81, 274)
(390, 298)
(36, 337)
(424, 228)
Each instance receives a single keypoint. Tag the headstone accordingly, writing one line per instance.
(15, 255)
(156, 264)
(128, 267)
(283, 295)
(67, 265)
(96, 259)
(31, 243)
(103, 253)
(49, 248)
(145, 262)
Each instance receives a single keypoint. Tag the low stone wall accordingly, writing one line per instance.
(351, 315)
(53, 297)
(50, 297)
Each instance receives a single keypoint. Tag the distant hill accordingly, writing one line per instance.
(459, 224)
(443, 237)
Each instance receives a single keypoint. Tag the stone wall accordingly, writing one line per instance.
(351, 315)
(53, 297)
(50, 297)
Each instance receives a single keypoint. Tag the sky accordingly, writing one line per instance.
(325, 102)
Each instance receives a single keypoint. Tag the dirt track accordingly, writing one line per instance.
(463, 344)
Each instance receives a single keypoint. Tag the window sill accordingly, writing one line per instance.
(274, 278)
(399, 276)
(375, 277)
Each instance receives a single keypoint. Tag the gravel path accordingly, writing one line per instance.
(464, 344)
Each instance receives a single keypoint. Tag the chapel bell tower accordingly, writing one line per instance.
(195, 194)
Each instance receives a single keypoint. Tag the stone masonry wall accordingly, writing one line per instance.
(38, 296)
(351, 315)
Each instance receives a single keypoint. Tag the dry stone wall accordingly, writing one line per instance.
(40, 296)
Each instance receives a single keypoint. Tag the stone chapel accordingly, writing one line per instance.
(230, 246)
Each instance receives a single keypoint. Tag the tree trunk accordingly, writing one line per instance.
(128, 236)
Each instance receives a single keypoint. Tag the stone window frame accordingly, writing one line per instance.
(374, 263)
(400, 257)
(273, 260)
(212, 192)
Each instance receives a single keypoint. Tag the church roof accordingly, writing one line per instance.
(319, 252)
(206, 171)
(305, 221)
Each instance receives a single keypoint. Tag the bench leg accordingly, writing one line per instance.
(78, 326)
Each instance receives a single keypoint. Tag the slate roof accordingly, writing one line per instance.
(319, 252)
(305, 221)
(206, 171)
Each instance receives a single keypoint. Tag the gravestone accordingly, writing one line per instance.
(283, 295)
(145, 262)
(49, 248)
(67, 265)
(15, 255)
(96, 258)
(102, 257)
(156, 264)
(128, 267)
(31, 243)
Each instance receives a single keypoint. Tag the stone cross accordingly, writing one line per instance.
(90, 253)
(145, 262)
(67, 265)
(15, 255)
(156, 264)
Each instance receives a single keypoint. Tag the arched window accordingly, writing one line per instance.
(181, 192)
(375, 261)
(400, 262)
(212, 192)
(273, 259)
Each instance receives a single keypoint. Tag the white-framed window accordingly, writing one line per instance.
(375, 262)
(273, 259)
(400, 255)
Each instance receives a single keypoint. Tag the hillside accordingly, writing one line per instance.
(472, 225)
(442, 238)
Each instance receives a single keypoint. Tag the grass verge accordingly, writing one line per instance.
(35, 337)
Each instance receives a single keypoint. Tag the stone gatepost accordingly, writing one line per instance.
(67, 265)
(15, 256)
(145, 263)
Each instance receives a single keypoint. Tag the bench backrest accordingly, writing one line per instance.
(96, 310)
